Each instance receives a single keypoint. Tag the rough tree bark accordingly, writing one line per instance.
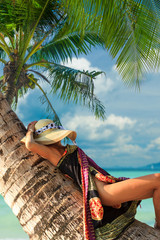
(47, 205)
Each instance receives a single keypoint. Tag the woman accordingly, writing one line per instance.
(112, 207)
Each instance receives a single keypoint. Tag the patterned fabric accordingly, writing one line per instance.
(88, 224)
(49, 126)
(101, 174)
(100, 222)
(112, 230)
(96, 208)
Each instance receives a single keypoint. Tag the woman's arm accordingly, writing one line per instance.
(35, 147)
(43, 150)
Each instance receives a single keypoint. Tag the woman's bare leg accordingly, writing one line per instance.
(133, 189)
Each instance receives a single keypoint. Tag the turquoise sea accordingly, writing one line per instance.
(10, 228)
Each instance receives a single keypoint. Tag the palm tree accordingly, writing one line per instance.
(37, 35)
(49, 209)
(38, 194)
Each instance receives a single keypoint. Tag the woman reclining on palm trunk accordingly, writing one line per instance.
(109, 203)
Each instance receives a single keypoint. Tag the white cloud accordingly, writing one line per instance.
(89, 127)
(157, 141)
(123, 144)
(129, 149)
(154, 144)
(124, 139)
(80, 64)
(103, 85)
(112, 133)
(120, 122)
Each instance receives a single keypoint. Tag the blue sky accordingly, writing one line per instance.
(130, 134)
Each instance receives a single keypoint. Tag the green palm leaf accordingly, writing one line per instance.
(68, 46)
(39, 74)
(130, 29)
(38, 33)
(138, 54)
(39, 30)
(76, 86)
(68, 41)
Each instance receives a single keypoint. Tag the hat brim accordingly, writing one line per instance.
(53, 136)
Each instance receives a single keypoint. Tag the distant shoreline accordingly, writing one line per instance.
(150, 167)
(131, 169)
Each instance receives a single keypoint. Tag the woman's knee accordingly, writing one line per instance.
(157, 177)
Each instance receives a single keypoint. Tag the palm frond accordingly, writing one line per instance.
(76, 86)
(52, 15)
(3, 61)
(68, 46)
(153, 6)
(130, 29)
(134, 40)
(4, 50)
(1, 81)
(139, 52)
(28, 35)
(3, 41)
(68, 41)
(35, 25)
(43, 63)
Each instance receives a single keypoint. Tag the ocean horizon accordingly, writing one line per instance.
(10, 229)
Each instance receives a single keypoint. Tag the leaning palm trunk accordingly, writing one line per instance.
(47, 205)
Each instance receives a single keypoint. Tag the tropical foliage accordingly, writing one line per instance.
(131, 31)
(36, 37)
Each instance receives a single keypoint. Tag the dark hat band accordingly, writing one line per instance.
(49, 126)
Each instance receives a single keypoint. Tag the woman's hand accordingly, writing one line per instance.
(30, 142)
(31, 126)
(117, 206)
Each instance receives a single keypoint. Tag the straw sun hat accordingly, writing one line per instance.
(46, 132)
